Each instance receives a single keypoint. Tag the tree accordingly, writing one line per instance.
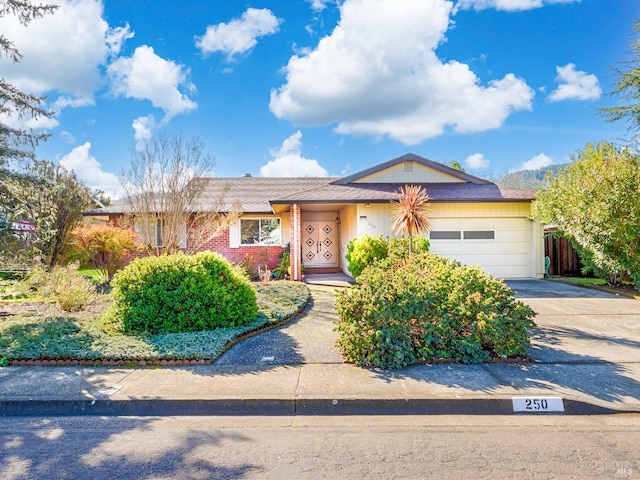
(410, 212)
(104, 246)
(47, 200)
(628, 89)
(456, 165)
(166, 195)
(595, 201)
(13, 101)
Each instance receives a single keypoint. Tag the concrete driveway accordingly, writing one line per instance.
(580, 325)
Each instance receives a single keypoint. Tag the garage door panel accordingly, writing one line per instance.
(507, 255)
(511, 248)
(478, 224)
(446, 248)
(479, 248)
(482, 260)
(513, 271)
(502, 223)
(512, 236)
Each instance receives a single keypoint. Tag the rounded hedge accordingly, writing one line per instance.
(181, 293)
(428, 308)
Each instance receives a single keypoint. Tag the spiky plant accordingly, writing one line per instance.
(410, 212)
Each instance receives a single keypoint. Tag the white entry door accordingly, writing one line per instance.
(320, 241)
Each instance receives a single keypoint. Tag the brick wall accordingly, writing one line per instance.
(254, 256)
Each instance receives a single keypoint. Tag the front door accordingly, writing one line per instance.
(320, 240)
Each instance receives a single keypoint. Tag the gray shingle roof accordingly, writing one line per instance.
(384, 192)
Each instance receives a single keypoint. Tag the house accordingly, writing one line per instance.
(473, 220)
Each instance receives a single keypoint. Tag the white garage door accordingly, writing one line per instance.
(501, 246)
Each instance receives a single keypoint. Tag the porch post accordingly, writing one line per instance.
(296, 242)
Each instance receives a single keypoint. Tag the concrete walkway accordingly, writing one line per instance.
(586, 347)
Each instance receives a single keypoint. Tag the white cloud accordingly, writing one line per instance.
(476, 161)
(30, 123)
(575, 85)
(116, 37)
(65, 101)
(143, 127)
(539, 161)
(289, 162)
(365, 77)
(240, 34)
(89, 170)
(508, 5)
(63, 52)
(68, 137)
(146, 76)
(319, 5)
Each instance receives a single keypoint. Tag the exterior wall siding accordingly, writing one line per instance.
(419, 174)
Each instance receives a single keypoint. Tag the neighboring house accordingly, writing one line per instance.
(473, 220)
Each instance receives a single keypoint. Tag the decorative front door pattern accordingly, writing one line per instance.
(319, 244)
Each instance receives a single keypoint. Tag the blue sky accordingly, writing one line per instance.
(323, 87)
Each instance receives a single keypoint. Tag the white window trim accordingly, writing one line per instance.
(260, 244)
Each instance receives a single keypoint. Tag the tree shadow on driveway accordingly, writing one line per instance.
(309, 338)
(555, 370)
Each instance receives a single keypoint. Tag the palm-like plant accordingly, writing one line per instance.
(410, 212)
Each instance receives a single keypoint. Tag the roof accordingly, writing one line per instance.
(384, 192)
(411, 157)
(258, 195)
(253, 193)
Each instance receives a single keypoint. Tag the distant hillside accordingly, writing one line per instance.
(529, 179)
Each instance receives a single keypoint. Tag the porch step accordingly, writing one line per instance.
(311, 271)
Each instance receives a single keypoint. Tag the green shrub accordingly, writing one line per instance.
(71, 290)
(34, 283)
(426, 309)
(284, 263)
(65, 285)
(180, 293)
(399, 247)
(363, 251)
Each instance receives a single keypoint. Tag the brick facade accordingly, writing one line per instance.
(253, 256)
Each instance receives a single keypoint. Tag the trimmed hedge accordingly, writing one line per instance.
(181, 293)
(427, 309)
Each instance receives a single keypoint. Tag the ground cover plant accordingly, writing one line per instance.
(32, 329)
(429, 309)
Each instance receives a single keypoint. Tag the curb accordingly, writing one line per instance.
(285, 407)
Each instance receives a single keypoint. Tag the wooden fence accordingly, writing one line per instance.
(564, 259)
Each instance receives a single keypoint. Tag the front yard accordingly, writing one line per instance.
(36, 331)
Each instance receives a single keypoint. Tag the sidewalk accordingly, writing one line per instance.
(586, 348)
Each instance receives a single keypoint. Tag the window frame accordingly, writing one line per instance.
(445, 235)
(261, 242)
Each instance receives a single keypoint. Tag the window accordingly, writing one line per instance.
(445, 235)
(263, 231)
(151, 233)
(479, 235)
